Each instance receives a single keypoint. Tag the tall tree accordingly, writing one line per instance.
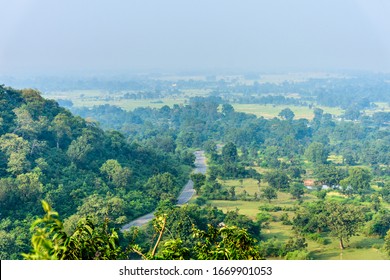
(358, 180)
(17, 149)
(229, 153)
(160, 185)
(62, 127)
(343, 220)
(277, 179)
(116, 174)
(199, 179)
(287, 114)
(317, 153)
(269, 193)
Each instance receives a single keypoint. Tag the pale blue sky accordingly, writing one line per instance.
(112, 36)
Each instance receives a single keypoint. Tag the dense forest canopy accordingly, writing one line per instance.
(208, 119)
(47, 153)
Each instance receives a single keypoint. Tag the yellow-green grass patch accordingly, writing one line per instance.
(270, 111)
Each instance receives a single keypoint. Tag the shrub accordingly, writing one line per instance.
(298, 255)
(285, 219)
(317, 238)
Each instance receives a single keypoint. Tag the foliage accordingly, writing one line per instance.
(88, 242)
(48, 153)
(380, 223)
(269, 193)
(386, 246)
(225, 243)
(343, 220)
(358, 180)
(317, 153)
(277, 179)
(199, 180)
(297, 190)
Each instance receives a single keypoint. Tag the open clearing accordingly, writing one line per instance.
(90, 98)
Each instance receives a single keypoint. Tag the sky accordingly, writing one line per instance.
(53, 37)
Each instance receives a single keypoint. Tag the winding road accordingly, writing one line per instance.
(185, 195)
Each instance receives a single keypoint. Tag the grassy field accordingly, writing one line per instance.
(381, 107)
(271, 111)
(90, 98)
(358, 248)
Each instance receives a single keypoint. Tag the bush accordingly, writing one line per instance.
(294, 244)
(317, 238)
(285, 219)
(298, 255)
(270, 208)
(200, 201)
(271, 248)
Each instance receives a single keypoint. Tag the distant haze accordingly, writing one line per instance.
(68, 37)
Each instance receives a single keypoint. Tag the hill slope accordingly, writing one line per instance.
(47, 153)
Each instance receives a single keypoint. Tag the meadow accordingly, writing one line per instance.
(90, 98)
(359, 247)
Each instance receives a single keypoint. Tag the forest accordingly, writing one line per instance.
(46, 153)
(275, 188)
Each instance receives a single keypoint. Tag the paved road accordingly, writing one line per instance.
(185, 195)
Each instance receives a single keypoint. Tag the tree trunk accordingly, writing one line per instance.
(159, 237)
(341, 244)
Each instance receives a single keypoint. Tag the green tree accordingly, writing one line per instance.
(380, 223)
(174, 249)
(227, 109)
(311, 218)
(9, 194)
(17, 149)
(29, 185)
(287, 114)
(79, 150)
(277, 179)
(297, 190)
(98, 208)
(88, 242)
(225, 243)
(115, 173)
(358, 180)
(317, 153)
(61, 125)
(269, 193)
(330, 175)
(158, 186)
(199, 179)
(27, 127)
(229, 153)
(343, 220)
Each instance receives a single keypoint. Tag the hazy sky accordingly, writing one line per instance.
(90, 36)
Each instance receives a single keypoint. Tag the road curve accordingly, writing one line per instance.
(185, 195)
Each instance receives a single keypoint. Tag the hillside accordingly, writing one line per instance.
(48, 153)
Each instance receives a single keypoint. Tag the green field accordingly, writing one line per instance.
(380, 107)
(90, 98)
(358, 248)
(271, 111)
